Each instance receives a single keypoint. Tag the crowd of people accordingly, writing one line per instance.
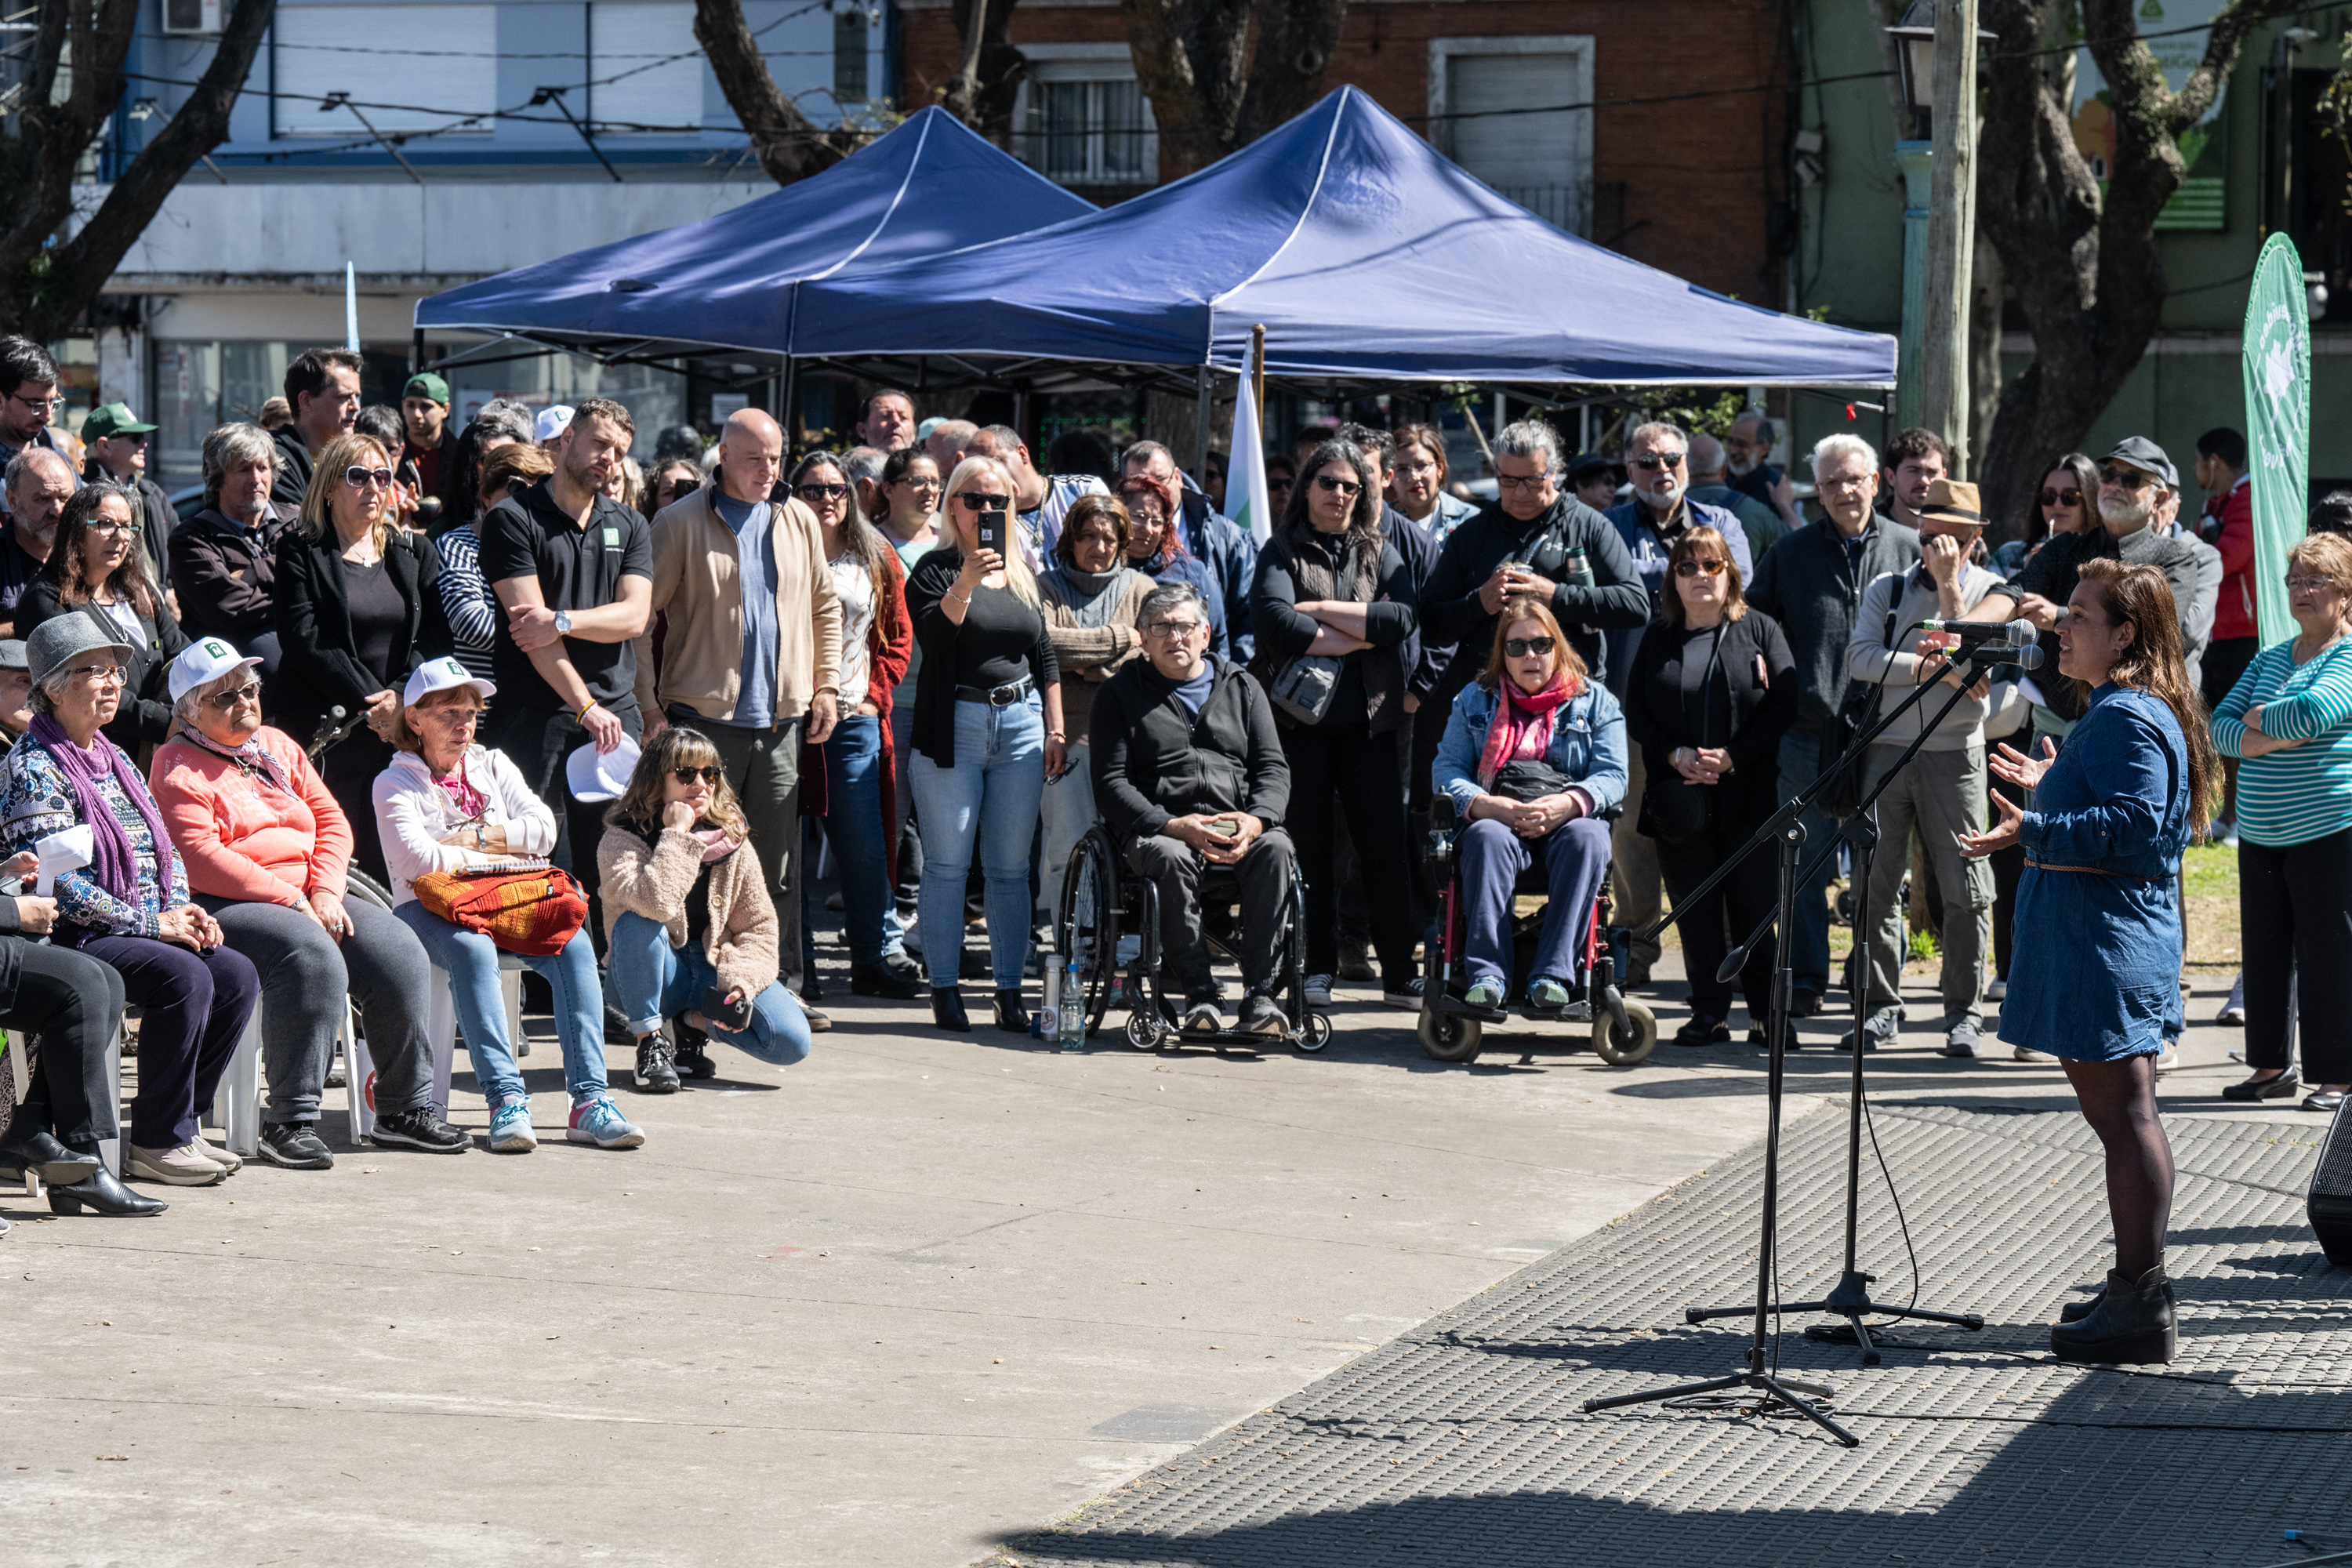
(390, 653)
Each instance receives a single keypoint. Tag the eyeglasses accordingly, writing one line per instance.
(933, 483)
(1519, 648)
(822, 492)
(2309, 585)
(38, 404)
(981, 501)
(224, 700)
(1172, 630)
(1521, 482)
(2062, 498)
(108, 525)
(1698, 568)
(1331, 486)
(1657, 460)
(710, 775)
(358, 479)
(100, 674)
(2125, 479)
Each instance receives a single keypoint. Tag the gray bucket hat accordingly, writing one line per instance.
(12, 653)
(55, 641)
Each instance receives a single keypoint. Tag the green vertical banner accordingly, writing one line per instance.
(2277, 348)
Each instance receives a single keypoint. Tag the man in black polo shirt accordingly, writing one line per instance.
(574, 571)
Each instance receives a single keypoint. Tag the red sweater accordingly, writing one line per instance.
(244, 838)
(2233, 616)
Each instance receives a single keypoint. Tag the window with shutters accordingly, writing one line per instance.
(1081, 120)
(1501, 107)
(450, 77)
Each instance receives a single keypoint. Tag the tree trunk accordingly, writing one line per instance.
(1294, 40)
(789, 145)
(1987, 292)
(1211, 92)
(985, 91)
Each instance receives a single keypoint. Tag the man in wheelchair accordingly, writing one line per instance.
(1189, 773)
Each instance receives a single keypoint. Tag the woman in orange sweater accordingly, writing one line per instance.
(267, 851)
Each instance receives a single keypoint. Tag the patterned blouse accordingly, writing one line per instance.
(36, 801)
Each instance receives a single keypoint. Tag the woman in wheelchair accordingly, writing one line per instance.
(1534, 754)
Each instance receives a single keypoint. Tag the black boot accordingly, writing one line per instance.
(37, 1150)
(2075, 1311)
(2132, 1323)
(947, 1009)
(100, 1192)
(1010, 1015)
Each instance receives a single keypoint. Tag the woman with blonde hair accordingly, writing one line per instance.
(2095, 979)
(988, 733)
(96, 566)
(360, 611)
(690, 932)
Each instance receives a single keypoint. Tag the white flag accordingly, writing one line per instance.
(1246, 500)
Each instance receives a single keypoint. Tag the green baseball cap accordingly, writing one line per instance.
(112, 419)
(426, 385)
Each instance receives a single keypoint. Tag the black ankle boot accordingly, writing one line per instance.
(39, 1150)
(1010, 1015)
(100, 1192)
(2132, 1323)
(947, 1010)
(2075, 1311)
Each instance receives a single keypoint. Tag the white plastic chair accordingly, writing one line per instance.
(109, 1150)
(442, 1026)
(236, 1106)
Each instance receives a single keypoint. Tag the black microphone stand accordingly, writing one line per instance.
(1788, 834)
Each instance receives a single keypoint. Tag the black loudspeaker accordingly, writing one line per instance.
(2331, 1191)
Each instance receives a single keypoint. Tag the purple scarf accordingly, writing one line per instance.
(114, 864)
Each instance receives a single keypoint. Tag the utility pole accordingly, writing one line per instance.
(1951, 230)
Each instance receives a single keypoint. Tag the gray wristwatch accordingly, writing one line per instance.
(562, 623)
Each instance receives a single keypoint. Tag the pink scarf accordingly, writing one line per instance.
(469, 799)
(1522, 722)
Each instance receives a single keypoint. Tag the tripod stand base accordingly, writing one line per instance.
(1776, 1391)
(1851, 1300)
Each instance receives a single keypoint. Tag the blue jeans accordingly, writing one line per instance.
(651, 980)
(854, 827)
(989, 800)
(1809, 950)
(471, 962)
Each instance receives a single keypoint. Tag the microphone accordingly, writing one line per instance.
(1988, 634)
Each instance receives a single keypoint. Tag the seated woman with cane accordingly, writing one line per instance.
(2095, 979)
(1534, 752)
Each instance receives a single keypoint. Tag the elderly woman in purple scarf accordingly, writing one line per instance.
(128, 907)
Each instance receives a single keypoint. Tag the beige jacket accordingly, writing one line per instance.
(654, 882)
(697, 586)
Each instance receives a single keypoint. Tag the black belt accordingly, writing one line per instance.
(995, 696)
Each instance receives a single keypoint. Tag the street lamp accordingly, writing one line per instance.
(1915, 61)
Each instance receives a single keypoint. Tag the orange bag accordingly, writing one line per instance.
(533, 910)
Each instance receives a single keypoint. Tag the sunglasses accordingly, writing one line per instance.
(1519, 648)
(2062, 498)
(224, 700)
(1698, 568)
(822, 492)
(981, 501)
(1656, 461)
(708, 775)
(1522, 482)
(2125, 479)
(1331, 486)
(358, 479)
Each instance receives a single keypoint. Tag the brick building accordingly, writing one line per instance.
(1697, 187)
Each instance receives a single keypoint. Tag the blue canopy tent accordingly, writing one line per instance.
(732, 282)
(1368, 257)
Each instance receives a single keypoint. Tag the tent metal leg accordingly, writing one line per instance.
(1200, 428)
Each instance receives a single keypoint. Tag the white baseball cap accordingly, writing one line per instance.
(553, 420)
(203, 660)
(595, 775)
(442, 675)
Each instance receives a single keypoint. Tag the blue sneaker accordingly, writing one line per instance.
(510, 1129)
(1486, 993)
(599, 1121)
(1547, 994)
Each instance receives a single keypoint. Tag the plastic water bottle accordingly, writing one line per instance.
(1073, 1027)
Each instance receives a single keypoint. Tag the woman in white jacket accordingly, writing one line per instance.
(446, 804)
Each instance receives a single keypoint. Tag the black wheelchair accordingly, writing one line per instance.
(1624, 1031)
(1110, 922)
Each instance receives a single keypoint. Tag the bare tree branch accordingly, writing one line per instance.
(985, 91)
(789, 145)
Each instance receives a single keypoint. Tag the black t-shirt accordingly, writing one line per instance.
(379, 614)
(528, 535)
(1000, 628)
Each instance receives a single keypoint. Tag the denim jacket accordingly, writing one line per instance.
(2118, 797)
(1588, 745)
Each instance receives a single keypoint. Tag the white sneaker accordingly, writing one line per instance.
(2028, 1054)
(2233, 1011)
(1996, 989)
(1319, 991)
(180, 1167)
(2168, 1058)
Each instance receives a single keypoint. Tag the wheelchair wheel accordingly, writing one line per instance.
(1619, 1050)
(1451, 1038)
(358, 884)
(1088, 928)
(1309, 1031)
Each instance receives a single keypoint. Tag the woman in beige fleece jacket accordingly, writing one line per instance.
(688, 924)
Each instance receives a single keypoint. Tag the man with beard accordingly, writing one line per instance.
(2134, 480)
(1746, 446)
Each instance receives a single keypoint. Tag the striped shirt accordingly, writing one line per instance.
(466, 600)
(2301, 792)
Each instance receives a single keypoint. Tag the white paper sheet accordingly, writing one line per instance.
(62, 852)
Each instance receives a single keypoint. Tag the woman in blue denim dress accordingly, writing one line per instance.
(2095, 978)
